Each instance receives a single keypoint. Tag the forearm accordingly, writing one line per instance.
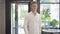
(40, 29)
(26, 30)
(25, 25)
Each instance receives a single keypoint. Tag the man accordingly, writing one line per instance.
(32, 23)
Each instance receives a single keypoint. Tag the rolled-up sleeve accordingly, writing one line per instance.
(25, 25)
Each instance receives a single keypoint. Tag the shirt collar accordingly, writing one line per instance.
(33, 14)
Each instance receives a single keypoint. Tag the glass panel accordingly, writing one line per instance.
(49, 15)
(13, 18)
(53, 1)
(22, 12)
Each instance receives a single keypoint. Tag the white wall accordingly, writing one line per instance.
(2, 17)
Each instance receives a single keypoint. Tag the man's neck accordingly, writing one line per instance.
(34, 12)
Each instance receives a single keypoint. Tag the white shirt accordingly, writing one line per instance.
(32, 24)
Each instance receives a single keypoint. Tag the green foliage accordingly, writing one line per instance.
(43, 19)
(53, 22)
(46, 14)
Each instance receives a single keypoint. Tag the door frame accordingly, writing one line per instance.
(8, 14)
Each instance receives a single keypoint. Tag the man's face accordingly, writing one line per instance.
(34, 7)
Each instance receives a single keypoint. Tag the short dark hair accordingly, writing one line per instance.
(33, 2)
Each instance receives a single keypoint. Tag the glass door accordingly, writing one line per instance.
(18, 13)
(22, 12)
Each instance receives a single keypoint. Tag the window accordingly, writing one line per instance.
(49, 11)
(53, 1)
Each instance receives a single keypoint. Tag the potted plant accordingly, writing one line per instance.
(45, 16)
(53, 23)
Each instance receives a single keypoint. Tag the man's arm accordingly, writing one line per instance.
(25, 25)
(40, 25)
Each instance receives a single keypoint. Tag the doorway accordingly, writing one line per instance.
(18, 13)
